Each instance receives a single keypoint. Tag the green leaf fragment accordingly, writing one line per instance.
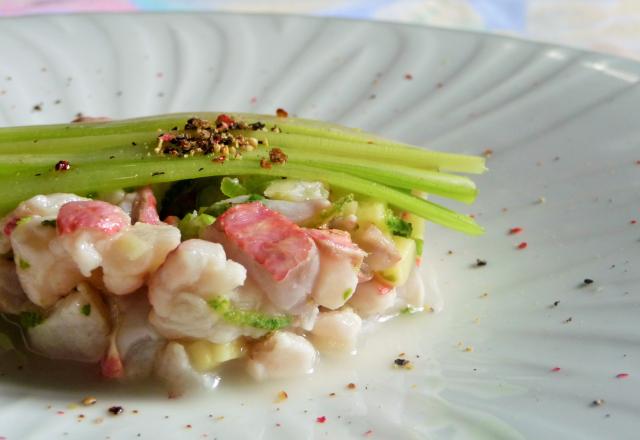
(23, 220)
(86, 309)
(334, 210)
(30, 319)
(248, 318)
(397, 226)
(231, 187)
(217, 209)
(6, 344)
(51, 222)
(24, 264)
(347, 293)
(192, 225)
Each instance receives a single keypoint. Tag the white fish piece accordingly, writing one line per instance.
(197, 271)
(298, 212)
(45, 270)
(40, 205)
(277, 253)
(137, 341)
(336, 331)
(12, 298)
(77, 328)
(173, 367)
(373, 298)
(381, 250)
(296, 190)
(85, 227)
(130, 257)
(283, 354)
(340, 261)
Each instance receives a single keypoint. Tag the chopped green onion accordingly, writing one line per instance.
(86, 309)
(248, 318)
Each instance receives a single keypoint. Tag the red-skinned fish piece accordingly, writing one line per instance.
(272, 240)
(91, 214)
(144, 207)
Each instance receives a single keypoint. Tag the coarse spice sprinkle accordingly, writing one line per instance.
(480, 263)
(321, 419)
(116, 410)
(62, 165)
(201, 137)
(523, 245)
(403, 363)
(89, 400)
(622, 375)
(514, 231)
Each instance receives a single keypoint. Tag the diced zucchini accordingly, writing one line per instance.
(398, 274)
(417, 230)
(205, 355)
(372, 212)
(417, 224)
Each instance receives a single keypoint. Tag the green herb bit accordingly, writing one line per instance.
(51, 222)
(217, 209)
(397, 226)
(23, 220)
(347, 293)
(86, 309)
(334, 210)
(231, 187)
(24, 264)
(6, 344)
(30, 319)
(249, 318)
(408, 310)
(193, 224)
(255, 198)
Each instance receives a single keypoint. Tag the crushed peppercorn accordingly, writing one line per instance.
(351, 386)
(63, 165)
(588, 281)
(277, 156)
(403, 363)
(201, 137)
(89, 400)
(116, 410)
(480, 263)
(282, 113)
(264, 163)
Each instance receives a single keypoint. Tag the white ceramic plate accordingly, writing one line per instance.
(562, 124)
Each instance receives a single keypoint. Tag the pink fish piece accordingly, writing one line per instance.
(91, 214)
(144, 208)
(278, 254)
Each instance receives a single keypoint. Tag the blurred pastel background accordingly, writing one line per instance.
(605, 25)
